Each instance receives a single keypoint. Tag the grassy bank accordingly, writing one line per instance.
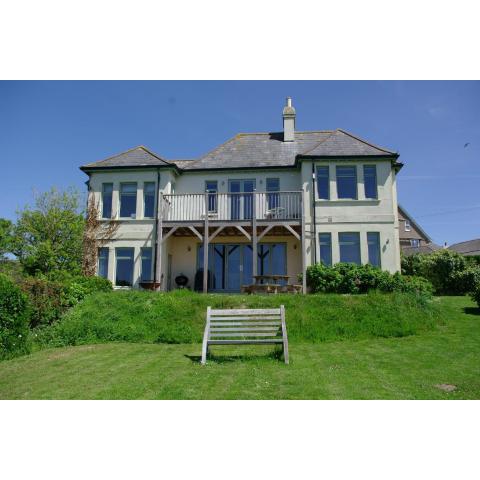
(391, 368)
(179, 317)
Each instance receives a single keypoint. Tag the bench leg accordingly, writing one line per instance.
(204, 353)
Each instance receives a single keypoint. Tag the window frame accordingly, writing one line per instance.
(317, 176)
(117, 257)
(354, 167)
(408, 225)
(320, 243)
(145, 197)
(134, 215)
(212, 197)
(359, 246)
(103, 200)
(379, 250)
(150, 273)
(100, 257)
(415, 242)
(374, 167)
(273, 196)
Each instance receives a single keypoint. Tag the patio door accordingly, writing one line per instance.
(241, 200)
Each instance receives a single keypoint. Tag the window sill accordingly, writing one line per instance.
(339, 201)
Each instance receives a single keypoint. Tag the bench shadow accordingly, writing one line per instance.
(472, 310)
(274, 355)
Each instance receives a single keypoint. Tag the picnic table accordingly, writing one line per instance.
(262, 279)
(271, 284)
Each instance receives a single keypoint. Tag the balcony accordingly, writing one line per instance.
(238, 208)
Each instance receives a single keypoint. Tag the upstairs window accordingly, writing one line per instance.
(370, 181)
(408, 227)
(349, 247)
(326, 248)
(414, 242)
(149, 199)
(273, 199)
(146, 274)
(323, 183)
(128, 200)
(211, 187)
(373, 240)
(347, 182)
(103, 262)
(107, 190)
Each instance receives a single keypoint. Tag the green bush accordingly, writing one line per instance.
(351, 278)
(476, 294)
(448, 271)
(14, 314)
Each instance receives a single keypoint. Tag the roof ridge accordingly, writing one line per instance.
(364, 141)
(319, 143)
(465, 241)
(141, 147)
(216, 148)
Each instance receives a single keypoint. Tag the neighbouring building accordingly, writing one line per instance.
(471, 247)
(413, 239)
(261, 203)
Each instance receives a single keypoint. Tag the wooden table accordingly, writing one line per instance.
(259, 279)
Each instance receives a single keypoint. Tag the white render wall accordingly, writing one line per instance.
(334, 215)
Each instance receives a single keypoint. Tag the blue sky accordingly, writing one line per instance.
(48, 129)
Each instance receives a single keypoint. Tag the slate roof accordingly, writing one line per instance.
(257, 150)
(135, 157)
(429, 248)
(471, 247)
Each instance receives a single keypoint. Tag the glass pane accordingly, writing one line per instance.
(212, 199)
(370, 181)
(149, 200)
(128, 188)
(349, 247)
(347, 182)
(107, 200)
(247, 278)
(149, 187)
(233, 267)
(124, 270)
(103, 262)
(248, 186)
(323, 183)
(146, 264)
(128, 200)
(217, 263)
(373, 239)
(273, 199)
(235, 199)
(326, 248)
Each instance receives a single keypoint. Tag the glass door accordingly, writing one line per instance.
(241, 200)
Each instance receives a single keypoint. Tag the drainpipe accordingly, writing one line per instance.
(314, 187)
(157, 209)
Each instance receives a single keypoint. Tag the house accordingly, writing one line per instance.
(413, 239)
(469, 248)
(260, 203)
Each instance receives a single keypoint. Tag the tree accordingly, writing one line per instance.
(6, 229)
(49, 236)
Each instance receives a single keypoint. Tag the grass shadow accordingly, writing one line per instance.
(273, 355)
(472, 310)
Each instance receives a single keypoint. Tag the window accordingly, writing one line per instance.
(211, 187)
(273, 199)
(128, 200)
(414, 242)
(370, 181)
(146, 274)
(326, 248)
(124, 271)
(149, 199)
(323, 183)
(407, 226)
(347, 182)
(373, 240)
(349, 247)
(107, 189)
(102, 262)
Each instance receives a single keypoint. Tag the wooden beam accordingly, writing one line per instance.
(215, 233)
(171, 232)
(205, 248)
(241, 229)
(292, 231)
(196, 232)
(265, 232)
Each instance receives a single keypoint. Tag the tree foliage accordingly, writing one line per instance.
(48, 236)
(6, 230)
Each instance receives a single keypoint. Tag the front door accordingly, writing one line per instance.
(241, 199)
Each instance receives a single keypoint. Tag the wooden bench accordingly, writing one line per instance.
(245, 326)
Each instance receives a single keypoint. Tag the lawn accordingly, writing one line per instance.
(406, 367)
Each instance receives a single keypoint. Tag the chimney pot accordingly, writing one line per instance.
(289, 115)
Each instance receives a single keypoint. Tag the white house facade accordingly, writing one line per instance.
(263, 203)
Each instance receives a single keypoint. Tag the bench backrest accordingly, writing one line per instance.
(246, 325)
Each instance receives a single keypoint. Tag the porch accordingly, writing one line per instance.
(233, 233)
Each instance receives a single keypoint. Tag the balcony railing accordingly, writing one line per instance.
(232, 206)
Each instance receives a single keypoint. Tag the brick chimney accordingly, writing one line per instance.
(288, 121)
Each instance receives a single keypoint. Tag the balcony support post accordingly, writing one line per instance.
(205, 248)
(159, 240)
(304, 243)
(254, 234)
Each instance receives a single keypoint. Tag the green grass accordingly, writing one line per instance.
(179, 317)
(369, 368)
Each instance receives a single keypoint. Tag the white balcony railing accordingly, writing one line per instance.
(232, 206)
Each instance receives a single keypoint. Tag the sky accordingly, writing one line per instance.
(48, 129)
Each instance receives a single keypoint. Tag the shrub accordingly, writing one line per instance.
(80, 287)
(466, 280)
(14, 313)
(476, 294)
(351, 278)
